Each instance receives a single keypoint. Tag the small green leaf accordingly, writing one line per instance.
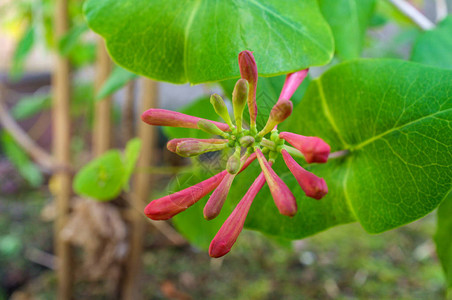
(434, 47)
(443, 238)
(20, 159)
(10, 245)
(83, 54)
(349, 20)
(102, 178)
(131, 154)
(28, 106)
(117, 79)
(199, 41)
(71, 39)
(21, 52)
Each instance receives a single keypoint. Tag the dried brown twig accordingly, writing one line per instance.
(38, 154)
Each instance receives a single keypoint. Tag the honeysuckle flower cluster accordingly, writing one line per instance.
(246, 144)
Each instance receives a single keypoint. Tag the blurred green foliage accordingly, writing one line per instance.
(106, 176)
(434, 47)
(20, 159)
(118, 78)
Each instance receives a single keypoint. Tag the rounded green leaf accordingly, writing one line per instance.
(395, 118)
(102, 178)
(199, 41)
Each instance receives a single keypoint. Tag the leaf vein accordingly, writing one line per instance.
(328, 115)
(377, 137)
(187, 33)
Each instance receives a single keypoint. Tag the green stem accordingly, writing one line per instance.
(339, 154)
(268, 144)
(293, 151)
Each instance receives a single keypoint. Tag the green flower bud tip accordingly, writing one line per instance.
(239, 96)
(280, 112)
(233, 164)
(221, 109)
(193, 148)
(211, 128)
(246, 141)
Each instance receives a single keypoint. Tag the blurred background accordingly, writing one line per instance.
(107, 260)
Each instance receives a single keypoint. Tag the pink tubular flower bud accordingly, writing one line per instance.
(163, 117)
(168, 206)
(216, 200)
(313, 186)
(215, 203)
(196, 147)
(248, 71)
(231, 228)
(283, 197)
(313, 148)
(293, 81)
(248, 161)
(280, 111)
(172, 144)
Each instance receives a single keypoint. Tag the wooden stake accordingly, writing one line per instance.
(102, 127)
(141, 189)
(128, 112)
(102, 114)
(61, 149)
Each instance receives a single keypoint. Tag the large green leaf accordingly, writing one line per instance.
(198, 41)
(443, 238)
(394, 117)
(348, 20)
(434, 47)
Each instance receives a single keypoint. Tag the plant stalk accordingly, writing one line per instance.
(411, 12)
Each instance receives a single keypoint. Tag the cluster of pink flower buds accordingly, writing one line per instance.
(246, 146)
